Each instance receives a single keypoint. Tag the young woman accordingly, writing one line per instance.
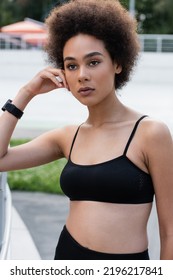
(118, 159)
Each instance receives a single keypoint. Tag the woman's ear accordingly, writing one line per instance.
(118, 68)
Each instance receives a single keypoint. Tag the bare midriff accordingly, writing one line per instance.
(109, 227)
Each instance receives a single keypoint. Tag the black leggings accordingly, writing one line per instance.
(69, 249)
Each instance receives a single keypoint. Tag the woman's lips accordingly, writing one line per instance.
(85, 91)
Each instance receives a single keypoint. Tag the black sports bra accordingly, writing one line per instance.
(115, 181)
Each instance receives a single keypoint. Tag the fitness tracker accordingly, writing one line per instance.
(12, 109)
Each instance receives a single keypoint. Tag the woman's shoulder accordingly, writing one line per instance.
(62, 138)
(153, 128)
(70, 130)
(64, 134)
(150, 127)
(155, 133)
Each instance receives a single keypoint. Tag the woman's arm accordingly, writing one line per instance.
(159, 147)
(44, 148)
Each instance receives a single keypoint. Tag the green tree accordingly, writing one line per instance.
(164, 15)
(16, 10)
(154, 16)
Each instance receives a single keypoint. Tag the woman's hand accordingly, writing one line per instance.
(46, 80)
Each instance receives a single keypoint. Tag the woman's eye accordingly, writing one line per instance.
(71, 66)
(94, 62)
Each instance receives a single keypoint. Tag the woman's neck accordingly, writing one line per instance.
(110, 110)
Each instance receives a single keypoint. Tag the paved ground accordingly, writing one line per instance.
(44, 215)
(22, 246)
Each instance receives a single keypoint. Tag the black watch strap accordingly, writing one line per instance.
(12, 109)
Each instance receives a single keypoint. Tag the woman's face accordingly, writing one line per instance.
(89, 69)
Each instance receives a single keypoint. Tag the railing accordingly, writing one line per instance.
(8, 42)
(156, 43)
(149, 43)
(5, 217)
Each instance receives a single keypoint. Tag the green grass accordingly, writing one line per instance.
(44, 178)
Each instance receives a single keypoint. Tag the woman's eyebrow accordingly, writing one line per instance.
(86, 56)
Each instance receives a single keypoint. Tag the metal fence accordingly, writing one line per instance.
(13, 43)
(149, 43)
(5, 217)
(156, 43)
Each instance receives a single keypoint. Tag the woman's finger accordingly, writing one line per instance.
(58, 77)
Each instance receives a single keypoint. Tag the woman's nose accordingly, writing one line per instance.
(83, 75)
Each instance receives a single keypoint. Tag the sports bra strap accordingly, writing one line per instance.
(74, 138)
(128, 143)
(132, 134)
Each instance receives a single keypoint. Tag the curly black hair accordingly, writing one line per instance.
(106, 20)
